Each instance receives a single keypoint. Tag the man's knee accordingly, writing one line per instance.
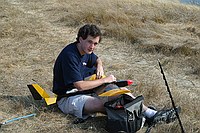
(94, 105)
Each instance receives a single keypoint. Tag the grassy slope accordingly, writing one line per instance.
(137, 34)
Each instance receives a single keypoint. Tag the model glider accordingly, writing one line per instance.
(39, 93)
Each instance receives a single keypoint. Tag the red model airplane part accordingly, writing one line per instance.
(130, 82)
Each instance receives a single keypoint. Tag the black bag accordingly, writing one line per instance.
(124, 114)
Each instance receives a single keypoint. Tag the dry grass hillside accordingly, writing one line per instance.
(136, 34)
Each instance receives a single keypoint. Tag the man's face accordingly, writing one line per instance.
(89, 44)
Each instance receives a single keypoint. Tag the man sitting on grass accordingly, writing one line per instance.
(78, 61)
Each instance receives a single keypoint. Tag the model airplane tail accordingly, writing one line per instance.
(38, 93)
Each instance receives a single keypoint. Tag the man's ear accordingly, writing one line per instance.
(80, 39)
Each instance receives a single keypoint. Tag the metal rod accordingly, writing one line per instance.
(173, 104)
(17, 118)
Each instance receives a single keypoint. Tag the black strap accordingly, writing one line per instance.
(75, 93)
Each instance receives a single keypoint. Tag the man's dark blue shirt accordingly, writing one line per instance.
(70, 67)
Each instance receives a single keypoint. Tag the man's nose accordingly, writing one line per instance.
(92, 45)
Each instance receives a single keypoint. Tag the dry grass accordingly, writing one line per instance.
(136, 34)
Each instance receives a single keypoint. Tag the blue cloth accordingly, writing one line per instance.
(70, 66)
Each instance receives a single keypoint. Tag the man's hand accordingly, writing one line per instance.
(109, 79)
(99, 71)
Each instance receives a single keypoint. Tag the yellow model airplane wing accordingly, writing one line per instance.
(114, 92)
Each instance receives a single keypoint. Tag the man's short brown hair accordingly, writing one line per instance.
(89, 29)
